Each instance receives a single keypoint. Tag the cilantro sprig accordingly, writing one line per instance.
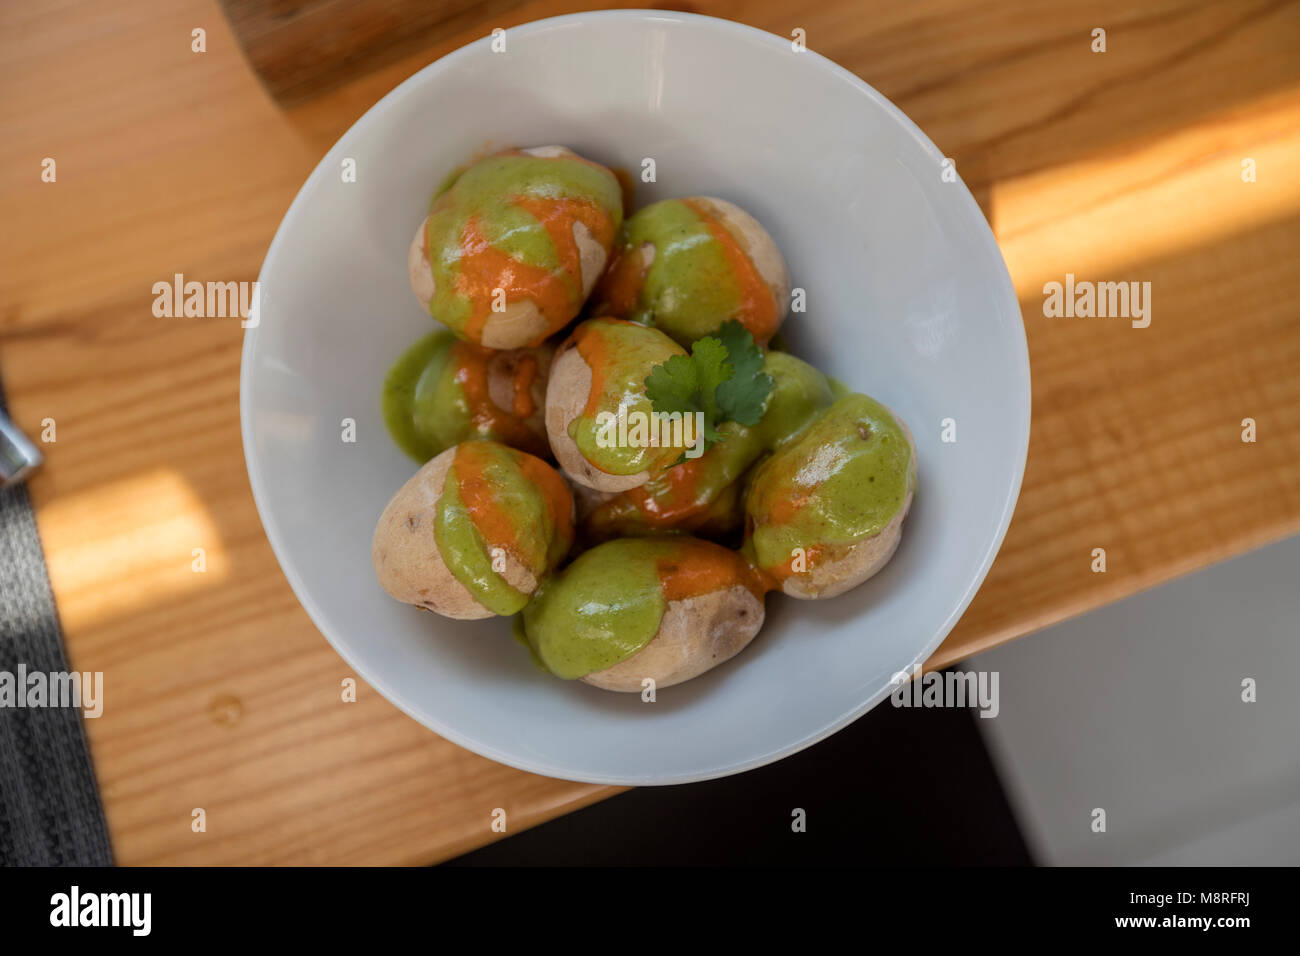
(723, 377)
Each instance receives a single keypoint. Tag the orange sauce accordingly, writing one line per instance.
(558, 217)
(525, 375)
(698, 567)
(671, 498)
(559, 500)
(471, 364)
(484, 268)
(785, 510)
(594, 350)
(591, 346)
(479, 494)
(757, 306)
(619, 289)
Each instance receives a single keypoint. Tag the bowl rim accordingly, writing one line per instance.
(279, 546)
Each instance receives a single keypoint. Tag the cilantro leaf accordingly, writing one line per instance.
(674, 386)
(742, 351)
(722, 377)
(741, 398)
(710, 359)
(671, 386)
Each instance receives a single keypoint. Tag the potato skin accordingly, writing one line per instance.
(417, 265)
(841, 570)
(695, 635)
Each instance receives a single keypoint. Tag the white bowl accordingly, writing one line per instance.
(907, 299)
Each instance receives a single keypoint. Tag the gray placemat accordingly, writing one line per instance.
(50, 813)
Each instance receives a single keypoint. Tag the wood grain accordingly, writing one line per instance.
(220, 694)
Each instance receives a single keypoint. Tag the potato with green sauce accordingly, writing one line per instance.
(599, 375)
(702, 495)
(825, 512)
(688, 265)
(443, 391)
(514, 244)
(799, 393)
(474, 532)
(666, 609)
(698, 495)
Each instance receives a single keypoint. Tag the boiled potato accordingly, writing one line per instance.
(443, 391)
(825, 511)
(473, 532)
(688, 265)
(699, 494)
(597, 376)
(513, 247)
(665, 609)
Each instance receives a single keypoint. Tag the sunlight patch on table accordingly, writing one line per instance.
(117, 548)
(1098, 217)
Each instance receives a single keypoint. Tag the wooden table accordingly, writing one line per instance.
(1123, 165)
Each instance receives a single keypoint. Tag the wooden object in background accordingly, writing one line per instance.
(301, 48)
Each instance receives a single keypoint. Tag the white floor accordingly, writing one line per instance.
(1137, 709)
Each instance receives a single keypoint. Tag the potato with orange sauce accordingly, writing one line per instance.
(474, 532)
(825, 512)
(443, 391)
(512, 248)
(602, 427)
(638, 609)
(686, 266)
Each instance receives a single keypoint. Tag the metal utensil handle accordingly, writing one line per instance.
(18, 456)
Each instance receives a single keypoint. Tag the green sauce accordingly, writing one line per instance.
(447, 182)
(621, 356)
(519, 634)
(438, 395)
(689, 289)
(468, 556)
(599, 611)
(516, 510)
(839, 481)
(798, 394)
(424, 410)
